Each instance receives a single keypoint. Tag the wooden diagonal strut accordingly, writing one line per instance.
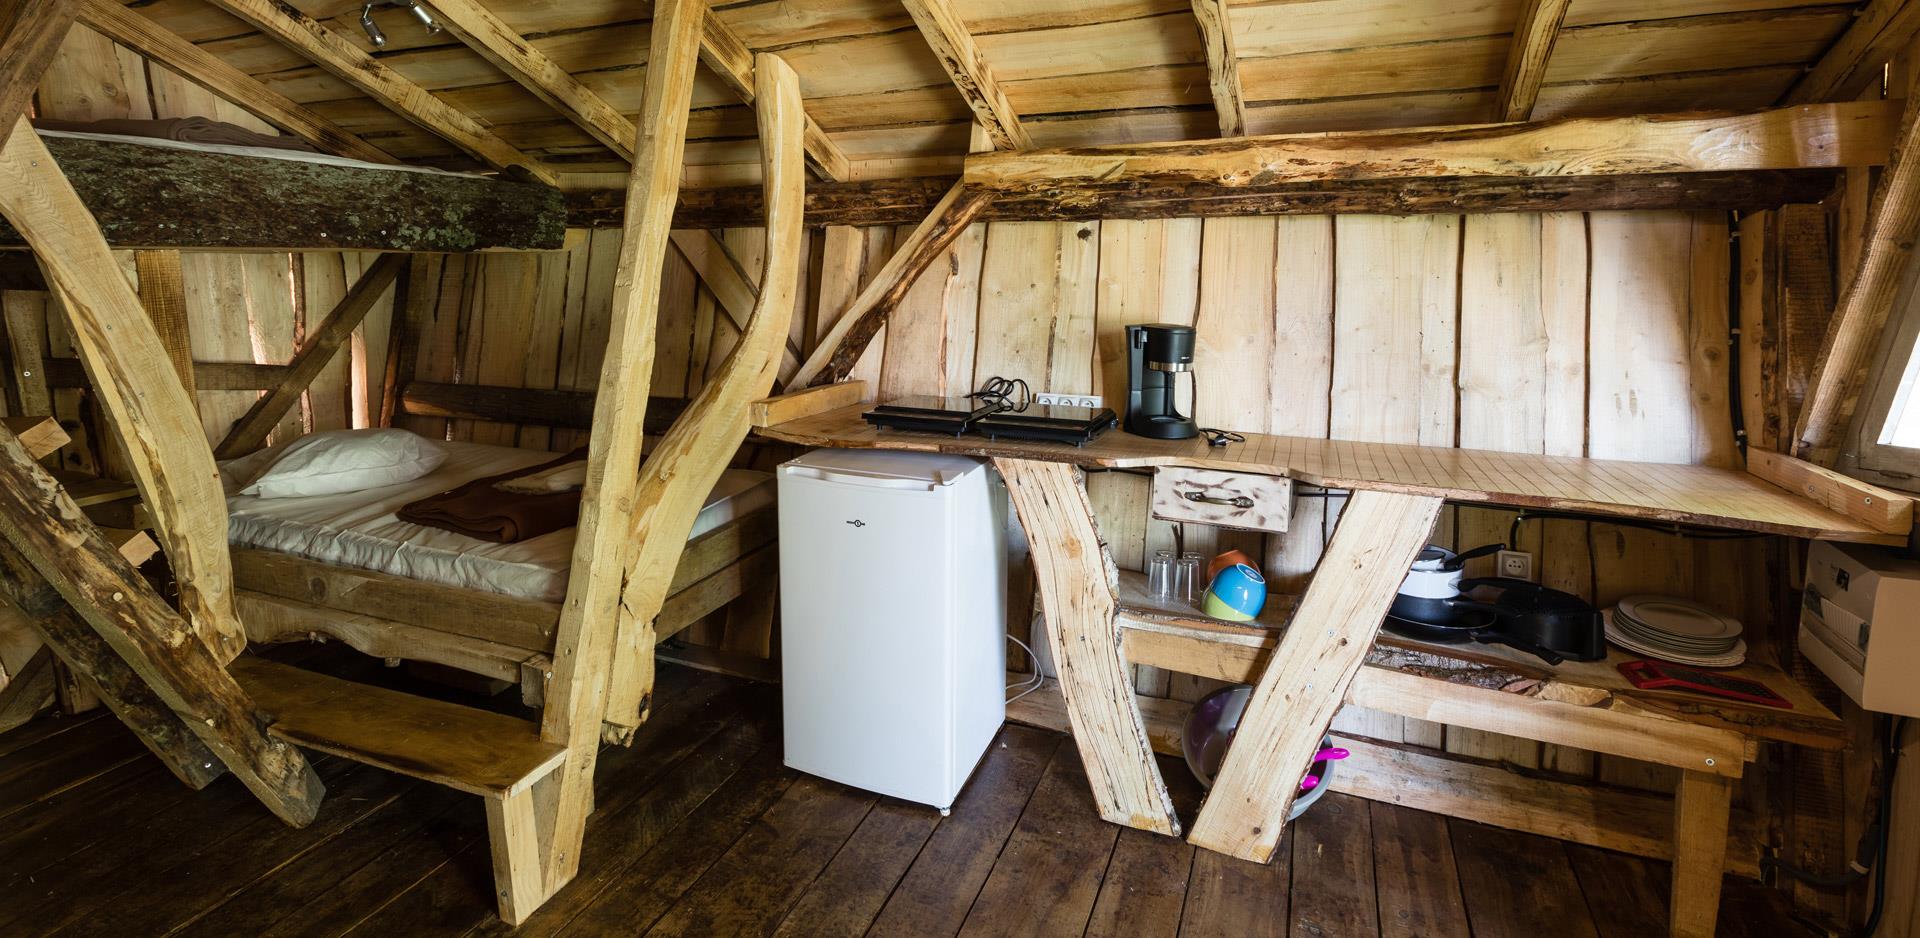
(62, 546)
(583, 649)
(1307, 678)
(1078, 583)
(135, 381)
(1223, 66)
(249, 433)
(100, 670)
(1846, 351)
(1533, 39)
(689, 460)
(841, 347)
(953, 45)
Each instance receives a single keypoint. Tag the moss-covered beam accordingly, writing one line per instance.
(165, 197)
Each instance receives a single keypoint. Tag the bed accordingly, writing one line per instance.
(342, 566)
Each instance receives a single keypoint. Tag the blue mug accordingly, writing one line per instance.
(1237, 594)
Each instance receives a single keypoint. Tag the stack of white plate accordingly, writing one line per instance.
(1677, 630)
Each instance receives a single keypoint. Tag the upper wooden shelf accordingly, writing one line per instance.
(1701, 495)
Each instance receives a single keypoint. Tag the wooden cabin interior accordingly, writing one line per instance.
(402, 399)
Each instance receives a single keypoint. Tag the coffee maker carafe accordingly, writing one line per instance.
(1157, 353)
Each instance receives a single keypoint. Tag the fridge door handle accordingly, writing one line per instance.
(860, 480)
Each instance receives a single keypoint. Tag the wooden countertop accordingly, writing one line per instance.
(1700, 495)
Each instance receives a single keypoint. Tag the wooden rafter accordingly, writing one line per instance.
(44, 525)
(344, 60)
(30, 35)
(249, 433)
(1885, 28)
(127, 27)
(498, 43)
(834, 357)
(953, 45)
(691, 457)
(1854, 332)
(1825, 135)
(722, 51)
(1527, 58)
(584, 646)
(134, 380)
(1223, 66)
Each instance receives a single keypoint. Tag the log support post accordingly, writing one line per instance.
(1078, 586)
(1307, 679)
(1702, 805)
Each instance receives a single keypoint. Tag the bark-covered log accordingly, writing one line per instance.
(165, 197)
(548, 408)
(906, 201)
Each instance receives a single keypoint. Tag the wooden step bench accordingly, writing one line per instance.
(498, 757)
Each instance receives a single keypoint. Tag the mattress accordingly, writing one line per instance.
(359, 529)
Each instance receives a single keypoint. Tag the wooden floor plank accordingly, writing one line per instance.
(749, 890)
(1416, 881)
(625, 829)
(197, 879)
(1145, 888)
(1228, 897)
(1518, 885)
(1626, 895)
(846, 896)
(417, 810)
(137, 850)
(1333, 886)
(44, 726)
(1049, 873)
(658, 880)
(38, 836)
(61, 762)
(940, 886)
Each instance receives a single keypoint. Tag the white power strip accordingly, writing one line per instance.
(1068, 400)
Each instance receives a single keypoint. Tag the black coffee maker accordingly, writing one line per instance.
(1157, 353)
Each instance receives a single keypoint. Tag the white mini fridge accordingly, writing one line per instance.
(892, 618)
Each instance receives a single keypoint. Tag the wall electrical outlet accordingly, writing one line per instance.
(1068, 400)
(1517, 564)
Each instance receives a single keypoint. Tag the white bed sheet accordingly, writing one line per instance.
(359, 529)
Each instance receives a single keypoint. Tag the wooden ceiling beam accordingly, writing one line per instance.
(1856, 133)
(726, 55)
(1527, 58)
(498, 43)
(345, 61)
(1846, 351)
(953, 45)
(129, 28)
(906, 201)
(1223, 66)
(31, 32)
(1854, 62)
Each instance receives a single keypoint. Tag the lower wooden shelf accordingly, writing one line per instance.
(1613, 818)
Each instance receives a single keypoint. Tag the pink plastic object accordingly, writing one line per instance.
(1330, 753)
(1309, 783)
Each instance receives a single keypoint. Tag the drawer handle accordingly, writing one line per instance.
(1238, 501)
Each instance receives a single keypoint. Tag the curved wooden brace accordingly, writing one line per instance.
(135, 380)
(696, 450)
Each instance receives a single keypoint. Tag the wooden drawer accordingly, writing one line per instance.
(1234, 499)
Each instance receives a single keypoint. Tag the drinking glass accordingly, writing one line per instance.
(1186, 579)
(1160, 575)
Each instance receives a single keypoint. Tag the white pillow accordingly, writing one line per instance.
(346, 461)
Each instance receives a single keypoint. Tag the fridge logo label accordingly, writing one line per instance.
(857, 523)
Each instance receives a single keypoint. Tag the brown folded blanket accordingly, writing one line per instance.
(479, 510)
(183, 129)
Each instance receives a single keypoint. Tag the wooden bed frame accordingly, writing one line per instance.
(285, 598)
(173, 672)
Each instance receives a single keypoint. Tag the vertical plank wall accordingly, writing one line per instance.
(1599, 334)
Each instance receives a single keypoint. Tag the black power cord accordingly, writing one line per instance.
(1871, 855)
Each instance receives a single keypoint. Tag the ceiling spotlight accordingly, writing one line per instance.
(378, 37)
